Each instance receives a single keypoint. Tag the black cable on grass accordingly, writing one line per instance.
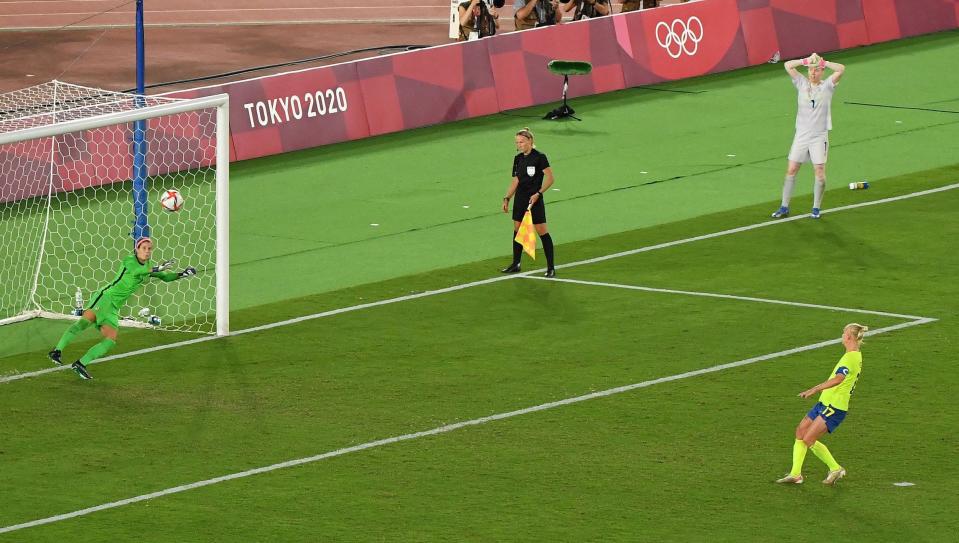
(521, 116)
(902, 107)
(668, 90)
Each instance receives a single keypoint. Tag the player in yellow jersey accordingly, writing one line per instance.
(830, 410)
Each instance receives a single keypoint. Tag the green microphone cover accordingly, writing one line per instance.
(570, 67)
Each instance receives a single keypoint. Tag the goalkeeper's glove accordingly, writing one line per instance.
(189, 271)
(165, 265)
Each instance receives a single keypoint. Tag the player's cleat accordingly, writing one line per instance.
(781, 213)
(512, 268)
(55, 356)
(834, 476)
(81, 370)
(815, 213)
(791, 479)
(551, 272)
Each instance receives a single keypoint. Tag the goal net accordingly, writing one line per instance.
(81, 174)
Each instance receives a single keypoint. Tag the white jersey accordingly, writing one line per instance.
(814, 117)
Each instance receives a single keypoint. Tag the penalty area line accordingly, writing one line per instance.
(25, 375)
(730, 297)
(440, 430)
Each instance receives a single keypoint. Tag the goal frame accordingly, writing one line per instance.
(222, 104)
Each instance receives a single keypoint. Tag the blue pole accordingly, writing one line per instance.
(140, 47)
(141, 227)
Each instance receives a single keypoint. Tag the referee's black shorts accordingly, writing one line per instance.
(519, 208)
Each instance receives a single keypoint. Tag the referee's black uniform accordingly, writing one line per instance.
(528, 169)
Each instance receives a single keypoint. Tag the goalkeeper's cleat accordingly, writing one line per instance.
(791, 479)
(512, 268)
(834, 476)
(55, 356)
(815, 213)
(781, 213)
(81, 370)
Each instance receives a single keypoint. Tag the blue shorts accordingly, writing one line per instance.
(830, 414)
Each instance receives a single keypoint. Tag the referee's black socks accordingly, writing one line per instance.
(547, 248)
(517, 249)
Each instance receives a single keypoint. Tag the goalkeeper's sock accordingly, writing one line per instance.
(788, 185)
(517, 250)
(97, 351)
(822, 452)
(548, 249)
(799, 455)
(72, 332)
(817, 190)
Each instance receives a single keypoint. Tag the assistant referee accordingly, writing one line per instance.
(532, 177)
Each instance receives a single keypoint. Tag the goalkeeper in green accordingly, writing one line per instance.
(103, 311)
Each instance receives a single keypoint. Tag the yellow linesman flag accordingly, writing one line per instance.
(526, 235)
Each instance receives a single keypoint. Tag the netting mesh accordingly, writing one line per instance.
(67, 214)
(57, 102)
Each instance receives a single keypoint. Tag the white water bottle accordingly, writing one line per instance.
(78, 303)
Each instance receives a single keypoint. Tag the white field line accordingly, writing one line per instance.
(758, 225)
(278, 324)
(9, 378)
(730, 297)
(443, 429)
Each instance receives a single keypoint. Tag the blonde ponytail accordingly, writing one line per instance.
(858, 329)
(527, 133)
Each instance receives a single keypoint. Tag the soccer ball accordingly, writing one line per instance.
(171, 200)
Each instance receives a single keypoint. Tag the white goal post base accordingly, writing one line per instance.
(124, 323)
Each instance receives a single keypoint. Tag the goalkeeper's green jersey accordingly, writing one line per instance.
(838, 396)
(130, 276)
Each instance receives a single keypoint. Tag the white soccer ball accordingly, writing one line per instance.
(171, 200)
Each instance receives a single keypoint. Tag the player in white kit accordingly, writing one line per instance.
(813, 123)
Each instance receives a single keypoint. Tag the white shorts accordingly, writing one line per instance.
(813, 150)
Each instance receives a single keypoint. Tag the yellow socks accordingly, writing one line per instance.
(823, 454)
(799, 454)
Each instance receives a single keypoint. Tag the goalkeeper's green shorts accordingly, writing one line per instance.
(106, 311)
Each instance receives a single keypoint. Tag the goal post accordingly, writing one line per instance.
(68, 214)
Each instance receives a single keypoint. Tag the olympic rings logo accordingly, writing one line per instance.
(680, 36)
